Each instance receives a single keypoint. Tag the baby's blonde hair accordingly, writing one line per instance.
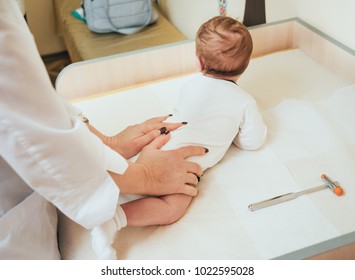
(224, 46)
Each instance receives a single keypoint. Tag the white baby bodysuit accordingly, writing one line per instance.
(218, 113)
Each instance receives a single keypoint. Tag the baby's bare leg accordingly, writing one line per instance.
(162, 210)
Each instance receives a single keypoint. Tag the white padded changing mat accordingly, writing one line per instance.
(307, 137)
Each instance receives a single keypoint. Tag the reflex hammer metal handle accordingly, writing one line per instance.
(332, 185)
(272, 201)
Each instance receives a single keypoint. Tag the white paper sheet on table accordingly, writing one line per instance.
(308, 135)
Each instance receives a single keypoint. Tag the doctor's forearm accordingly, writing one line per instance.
(131, 182)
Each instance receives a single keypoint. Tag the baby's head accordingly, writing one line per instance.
(223, 47)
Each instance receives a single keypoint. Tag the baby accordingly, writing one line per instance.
(218, 112)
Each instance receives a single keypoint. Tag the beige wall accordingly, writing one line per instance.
(334, 17)
(188, 15)
(41, 21)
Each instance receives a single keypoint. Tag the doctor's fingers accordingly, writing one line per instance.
(192, 179)
(149, 137)
(158, 123)
(162, 127)
(188, 190)
(189, 151)
(159, 119)
(157, 142)
(193, 172)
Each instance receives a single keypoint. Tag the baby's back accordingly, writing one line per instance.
(214, 111)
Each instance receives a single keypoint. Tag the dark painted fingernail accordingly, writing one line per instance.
(184, 122)
(206, 150)
(170, 115)
(198, 178)
(167, 132)
(162, 130)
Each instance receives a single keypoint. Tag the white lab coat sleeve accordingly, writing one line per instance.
(50, 149)
(112, 161)
(252, 131)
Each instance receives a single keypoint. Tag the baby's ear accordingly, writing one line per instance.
(199, 63)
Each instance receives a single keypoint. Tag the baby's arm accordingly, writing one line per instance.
(161, 210)
(252, 132)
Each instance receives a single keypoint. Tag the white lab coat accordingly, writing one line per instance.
(48, 157)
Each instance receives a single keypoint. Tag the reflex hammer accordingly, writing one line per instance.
(329, 184)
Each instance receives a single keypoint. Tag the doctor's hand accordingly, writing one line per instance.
(133, 139)
(158, 172)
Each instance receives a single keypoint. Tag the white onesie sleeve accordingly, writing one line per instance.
(252, 130)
